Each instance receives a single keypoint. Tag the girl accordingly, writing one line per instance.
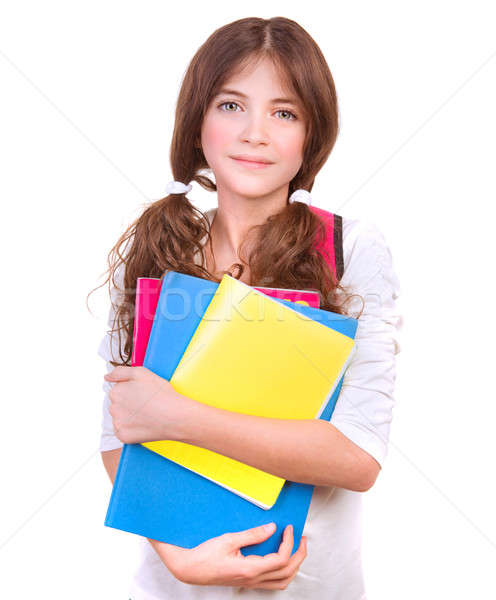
(257, 108)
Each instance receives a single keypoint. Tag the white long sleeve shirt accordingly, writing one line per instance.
(332, 569)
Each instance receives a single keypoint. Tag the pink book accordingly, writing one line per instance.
(308, 297)
(147, 295)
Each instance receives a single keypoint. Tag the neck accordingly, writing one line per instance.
(236, 215)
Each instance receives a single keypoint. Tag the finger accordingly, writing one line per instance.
(290, 570)
(280, 584)
(287, 544)
(120, 373)
(279, 559)
(265, 565)
(254, 535)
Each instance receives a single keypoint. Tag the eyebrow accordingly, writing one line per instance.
(274, 100)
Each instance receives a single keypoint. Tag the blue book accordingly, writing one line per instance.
(153, 496)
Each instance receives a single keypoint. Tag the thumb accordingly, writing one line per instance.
(253, 536)
(120, 373)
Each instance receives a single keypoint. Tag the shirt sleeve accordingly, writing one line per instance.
(109, 350)
(363, 412)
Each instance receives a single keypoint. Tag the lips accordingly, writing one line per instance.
(252, 159)
(251, 164)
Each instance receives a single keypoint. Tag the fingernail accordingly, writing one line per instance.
(269, 527)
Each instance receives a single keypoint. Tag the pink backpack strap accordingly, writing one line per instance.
(331, 247)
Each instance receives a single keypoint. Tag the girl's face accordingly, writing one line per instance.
(253, 116)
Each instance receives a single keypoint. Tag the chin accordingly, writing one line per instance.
(252, 191)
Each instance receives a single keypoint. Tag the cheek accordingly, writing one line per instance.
(292, 147)
(216, 133)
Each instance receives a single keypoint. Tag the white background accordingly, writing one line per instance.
(86, 116)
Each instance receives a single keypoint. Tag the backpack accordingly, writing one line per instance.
(331, 247)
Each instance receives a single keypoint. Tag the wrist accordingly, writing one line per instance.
(179, 427)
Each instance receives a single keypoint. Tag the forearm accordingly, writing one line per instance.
(110, 460)
(307, 451)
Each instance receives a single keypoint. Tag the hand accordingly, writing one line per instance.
(219, 561)
(144, 407)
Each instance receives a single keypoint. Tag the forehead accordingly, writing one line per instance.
(259, 78)
(286, 98)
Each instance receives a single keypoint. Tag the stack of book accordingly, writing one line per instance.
(258, 351)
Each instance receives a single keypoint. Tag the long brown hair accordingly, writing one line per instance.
(170, 231)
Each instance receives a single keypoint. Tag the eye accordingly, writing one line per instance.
(228, 102)
(292, 117)
(283, 110)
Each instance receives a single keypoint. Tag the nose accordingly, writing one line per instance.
(255, 130)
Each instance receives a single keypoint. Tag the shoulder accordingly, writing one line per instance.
(117, 284)
(210, 214)
(370, 276)
(367, 255)
(360, 237)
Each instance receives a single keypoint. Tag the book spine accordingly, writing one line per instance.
(115, 497)
(337, 383)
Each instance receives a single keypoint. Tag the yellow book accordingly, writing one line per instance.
(254, 355)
